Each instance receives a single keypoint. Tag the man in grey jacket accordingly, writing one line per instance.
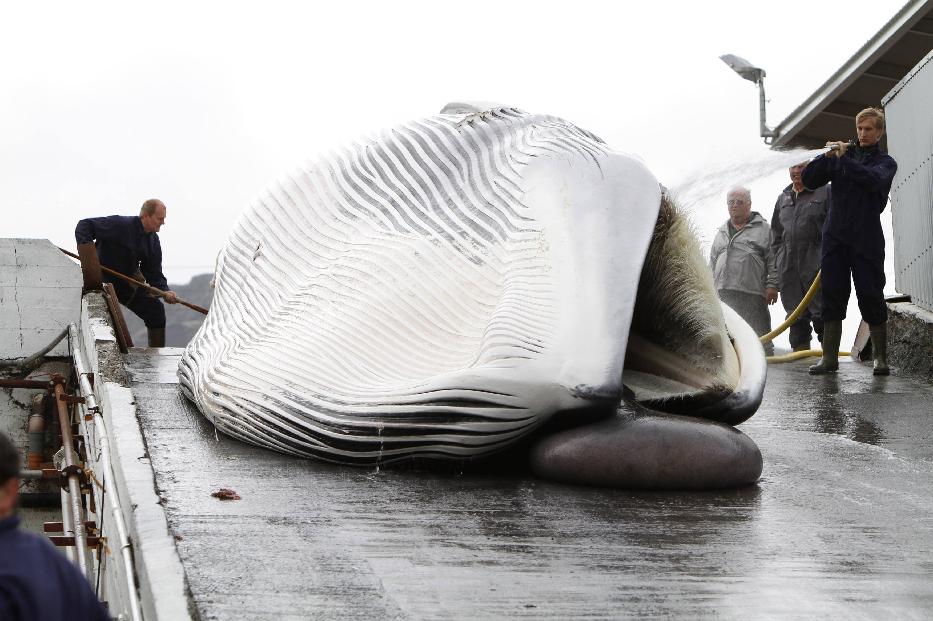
(797, 233)
(742, 264)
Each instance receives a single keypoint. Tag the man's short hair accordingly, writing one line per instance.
(871, 113)
(740, 189)
(149, 207)
(9, 459)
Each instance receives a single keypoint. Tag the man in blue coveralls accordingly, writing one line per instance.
(130, 245)
(36, 580)
(853, 242)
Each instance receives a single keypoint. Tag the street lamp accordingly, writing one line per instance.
(757, 75)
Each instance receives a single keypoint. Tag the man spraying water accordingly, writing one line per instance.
(853, 241)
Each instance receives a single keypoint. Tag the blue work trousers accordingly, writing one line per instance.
(839, 262)
(149, 309)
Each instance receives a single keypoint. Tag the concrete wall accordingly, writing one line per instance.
(40, 294)
(910, 340)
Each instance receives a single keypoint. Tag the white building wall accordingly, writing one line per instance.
(909, 113)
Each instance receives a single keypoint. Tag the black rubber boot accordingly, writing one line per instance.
(829, 363)
(879, 345)
(802, 347)
(156, 337)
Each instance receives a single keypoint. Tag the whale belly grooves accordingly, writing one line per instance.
(443, 288)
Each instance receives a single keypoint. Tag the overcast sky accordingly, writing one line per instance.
(204, 104)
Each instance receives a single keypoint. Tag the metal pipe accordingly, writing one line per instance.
(68, 524)
(90, 405)
(36, 433)
(21, 383)
(30, 361)
(116, 511)
(74, 485)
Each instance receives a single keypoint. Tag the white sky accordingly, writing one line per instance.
(205, 104)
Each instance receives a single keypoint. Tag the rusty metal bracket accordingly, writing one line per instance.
(58, 527)
(71, 399)
(51, 474)
(63, 474)
(93, 541)
(73, 469)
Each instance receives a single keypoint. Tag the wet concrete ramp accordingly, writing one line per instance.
(841, 524)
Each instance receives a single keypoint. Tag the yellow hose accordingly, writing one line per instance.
(796, 355)
(767, 338)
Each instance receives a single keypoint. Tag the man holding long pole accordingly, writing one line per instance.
(130, 245)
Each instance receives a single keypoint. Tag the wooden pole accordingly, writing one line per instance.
(145, 286)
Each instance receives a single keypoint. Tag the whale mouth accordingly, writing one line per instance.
(687, 352)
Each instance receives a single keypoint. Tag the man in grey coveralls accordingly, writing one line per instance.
(796, 233)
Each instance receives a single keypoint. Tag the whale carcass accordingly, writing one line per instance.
(469, 282)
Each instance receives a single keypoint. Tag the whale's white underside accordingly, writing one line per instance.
(438, 290)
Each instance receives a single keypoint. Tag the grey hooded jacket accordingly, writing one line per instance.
(744, 262)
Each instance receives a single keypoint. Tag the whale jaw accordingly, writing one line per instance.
(688, 353)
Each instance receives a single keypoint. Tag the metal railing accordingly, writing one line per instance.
(108, 486)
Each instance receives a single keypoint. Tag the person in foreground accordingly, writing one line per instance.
(853, 242)
(743, 264)
(796, 237)
(130, 245)
(36, 580)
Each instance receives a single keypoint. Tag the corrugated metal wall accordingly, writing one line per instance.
(909, 112)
